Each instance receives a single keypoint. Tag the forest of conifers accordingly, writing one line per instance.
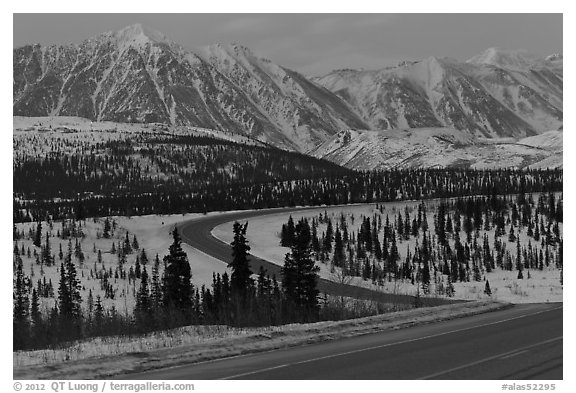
(151, 174)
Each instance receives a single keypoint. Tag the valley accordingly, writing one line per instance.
(204, 211)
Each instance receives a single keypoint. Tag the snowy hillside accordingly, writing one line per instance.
(439, 147)
(67, 124)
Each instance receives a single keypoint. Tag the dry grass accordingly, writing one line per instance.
(109, 356)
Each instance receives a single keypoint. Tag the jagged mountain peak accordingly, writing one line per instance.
(136, 35)
(233, 50)
(506, 58)
(555, 57)
(138, 31)
(137, 74)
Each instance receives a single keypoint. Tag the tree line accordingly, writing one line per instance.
(340, 187)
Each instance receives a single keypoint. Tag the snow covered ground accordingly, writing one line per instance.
(439, 147)
(153, 234)
(68, 126)
(264, 237)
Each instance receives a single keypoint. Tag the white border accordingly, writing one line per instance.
(298, 6)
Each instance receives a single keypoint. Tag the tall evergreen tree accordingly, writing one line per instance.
(21, 312)
(240, 280)
(107, 229)
(69, 299)
(338, 258)
(143, 309)
(300, 275)
(47, 252)
(329, 236)
(177, 285)
(287, 235)
(36, 318)
(38, 235)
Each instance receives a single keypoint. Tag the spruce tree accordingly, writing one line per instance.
(287, 236)
(107, 228)
(329, 236)
(338, 258)
(69, 299)
(21, 321)
(487, 289)
(177, 285)
(38, 235)
(36, 318)
(156, 286)
(143, 257)
(449, 288)
(240, 280)
(300, 275)
(47, 252)
(127, 246)
(98, 316)
(143, 307)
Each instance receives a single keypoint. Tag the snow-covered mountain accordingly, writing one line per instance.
(439, 147)
(495, 94)
(306, 112)
(138, 75)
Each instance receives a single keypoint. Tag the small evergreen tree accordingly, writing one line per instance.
(487, 289)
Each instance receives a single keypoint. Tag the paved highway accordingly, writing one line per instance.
(197, 233)
(523, 342)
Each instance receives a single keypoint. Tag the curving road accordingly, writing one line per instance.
(523, 342)
(197, 233)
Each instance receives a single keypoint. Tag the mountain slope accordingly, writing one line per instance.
(306, 112)
(439, 147)
(138, 75)
(496, 94)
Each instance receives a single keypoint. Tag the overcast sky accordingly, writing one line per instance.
(315, 44)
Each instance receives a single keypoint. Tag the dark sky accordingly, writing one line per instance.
(315, 44)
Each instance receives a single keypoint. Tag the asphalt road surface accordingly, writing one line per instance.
(197, 233)
(523, 342)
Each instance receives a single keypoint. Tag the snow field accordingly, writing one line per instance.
(263, 235)
(153, 234)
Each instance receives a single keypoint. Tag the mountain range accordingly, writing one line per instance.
(139, 75)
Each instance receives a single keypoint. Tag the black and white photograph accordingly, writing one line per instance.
(287, 196)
